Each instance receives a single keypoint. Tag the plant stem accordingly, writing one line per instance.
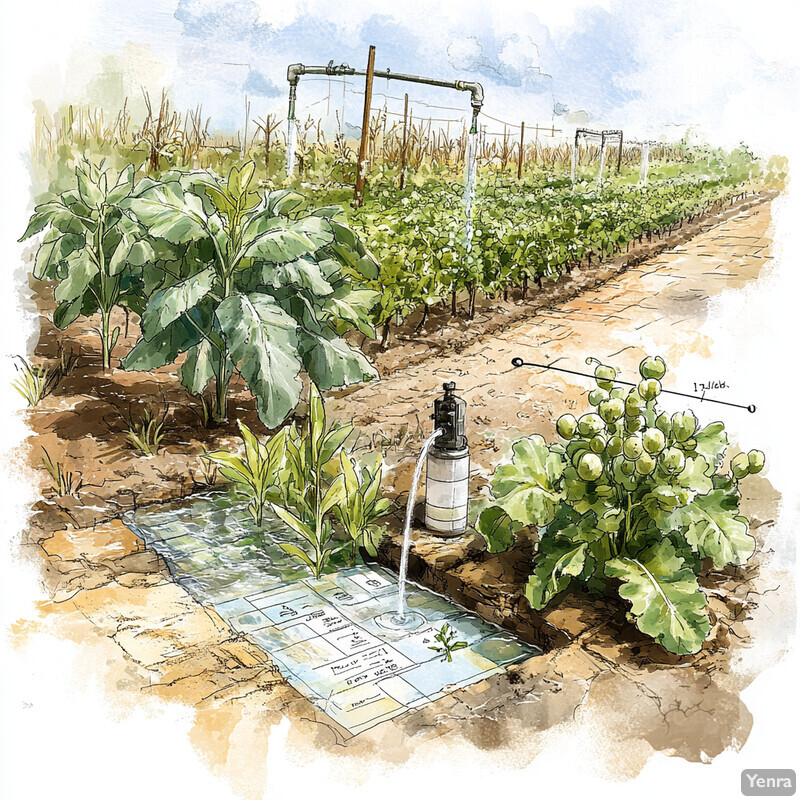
(105, 336)
(220, 411)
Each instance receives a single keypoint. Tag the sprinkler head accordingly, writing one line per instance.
(450, 416)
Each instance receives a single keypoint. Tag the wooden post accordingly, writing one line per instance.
(405, 144)
(358, 194)
(602, 159)
(521, 150)
(619, 155)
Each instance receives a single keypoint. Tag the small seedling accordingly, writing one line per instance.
(64, 481)
(146, 433)
(67, 359)
(209, 471)
(35, 381)
(256, 474)
(446, 646)
(204, 412)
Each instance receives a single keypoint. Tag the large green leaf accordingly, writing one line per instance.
(163, 348)
(353, 306)
(330, 361)
(350, 250)
(527, 488)
(67, 313)
(54, 249)
(712, 442)
(122, 187)
(279, 246)
(80, 271)
(665, 598)
(168, 304)
(715, 530)
(497, 528)
(90, 192)
(54, 213)
(262, 341)
(302, 272)
(197, 370)
(696, 475)
(178, 221)
(556, 563)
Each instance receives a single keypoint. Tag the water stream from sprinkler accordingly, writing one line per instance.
(402, 619)
(291, 146)
(469, 188)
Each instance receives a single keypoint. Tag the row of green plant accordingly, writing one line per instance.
(233, 278)
(631, 500)
(307, 477)
(523, 233)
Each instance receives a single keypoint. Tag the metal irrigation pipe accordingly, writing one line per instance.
(294, 72)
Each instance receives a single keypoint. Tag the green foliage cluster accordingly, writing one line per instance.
(235, 279)
(523, 232)
(92, 248)
(631, 498)
(310, 481)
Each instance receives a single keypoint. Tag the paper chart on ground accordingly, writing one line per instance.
(323, 636)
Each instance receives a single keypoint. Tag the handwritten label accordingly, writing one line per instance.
(707, 387)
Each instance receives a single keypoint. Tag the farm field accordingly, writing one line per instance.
(397, 400)
(104, 583)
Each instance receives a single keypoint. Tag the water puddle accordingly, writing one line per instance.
(324, 635)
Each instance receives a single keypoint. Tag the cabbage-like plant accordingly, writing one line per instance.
(632, 499)
(247, 283)
(92, 249)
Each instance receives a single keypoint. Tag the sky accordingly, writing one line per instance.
(654, 69)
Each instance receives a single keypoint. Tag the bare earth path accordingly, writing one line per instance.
(175, 649)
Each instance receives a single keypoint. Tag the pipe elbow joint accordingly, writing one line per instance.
(475, 89)
(294, 72)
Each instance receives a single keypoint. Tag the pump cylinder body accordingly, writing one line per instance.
(447, 490)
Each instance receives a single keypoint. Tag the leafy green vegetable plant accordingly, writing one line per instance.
(92, 249)
(312, 484)
(632, 498)
(245, 282)
(256, 474)
(362, 506)
(446, 646)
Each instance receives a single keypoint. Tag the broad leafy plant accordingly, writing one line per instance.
(92, 249)
(632, 499)
(247, 283)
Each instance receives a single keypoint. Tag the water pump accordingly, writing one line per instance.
(447, 486)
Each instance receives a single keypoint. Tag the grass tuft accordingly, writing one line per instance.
(64, 481)
(146, 432)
